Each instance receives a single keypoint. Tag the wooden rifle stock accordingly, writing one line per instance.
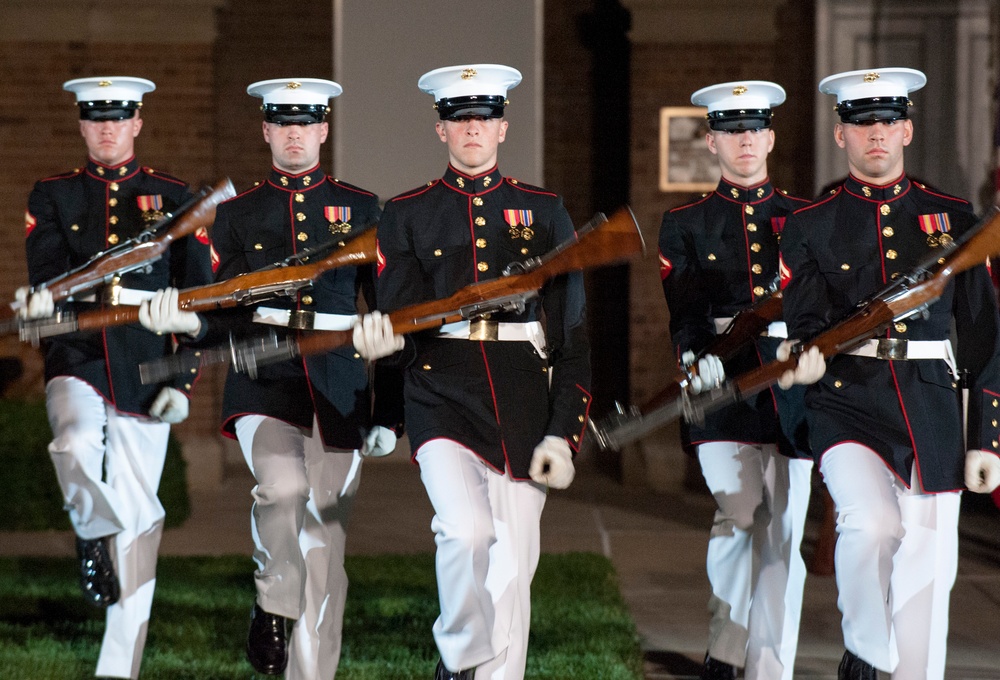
(909, 295)
(607, 242)
(624, 426)
(199, 215)
(601, 242)
(243, 289)
(906, 296)
(747, 325)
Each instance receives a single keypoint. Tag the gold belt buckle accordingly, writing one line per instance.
(484, 330)
(301, 320)
(891, 349)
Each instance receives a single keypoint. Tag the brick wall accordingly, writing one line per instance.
(39, 134)
(666, 75)
(601, 118)
(260, 40)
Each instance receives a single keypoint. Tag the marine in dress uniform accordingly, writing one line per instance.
(718, 256)
(885, 420)
(494, 402)
(304, 424)
(109, 430)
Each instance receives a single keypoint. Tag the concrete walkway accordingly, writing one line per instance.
(656, 541)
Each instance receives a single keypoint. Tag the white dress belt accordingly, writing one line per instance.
(116, 295)
(900, 349)
(505, 331)
(775, 329)
(305, 320)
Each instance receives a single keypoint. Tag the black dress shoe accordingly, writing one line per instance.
(442, 673)
(266, 648)
(853, 667)
(717, 670)
(98, 579)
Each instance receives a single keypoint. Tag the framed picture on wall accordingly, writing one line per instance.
(686, 164)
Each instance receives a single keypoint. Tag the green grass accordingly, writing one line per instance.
(580, 627)
(35, 502)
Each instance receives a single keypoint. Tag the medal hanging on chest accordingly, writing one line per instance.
(151, 207)
(339, 217)
(936, 226)
(520, 222)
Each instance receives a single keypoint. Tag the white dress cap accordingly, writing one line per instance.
(109, 88)
(108, 97)
(739, 105)
(868, 95)
(470, 89)
(295, 100)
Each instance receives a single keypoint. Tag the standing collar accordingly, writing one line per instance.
(751, 194)
(112, 173)
(299, 182)
(469, 184)
(880, 193)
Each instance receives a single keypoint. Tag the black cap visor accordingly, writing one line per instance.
(873, 109)
(295, 114)
(487, 106)
(738, 120)
(108, 109)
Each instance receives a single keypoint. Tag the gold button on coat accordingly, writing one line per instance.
(480, 243)
(307, 299)
(302, 236)
(299, 198)
(482, 266)
(478, 202)
(113, 239)
(885, 210)
(300, 217)
(751, 227)
(756, 269)
(480, 221)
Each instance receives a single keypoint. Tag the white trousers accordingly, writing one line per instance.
(302, 503)
(754, 565)
(896, 562)
(109, 466)
(487, 531)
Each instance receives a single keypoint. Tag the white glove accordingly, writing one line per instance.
(710, 372)
(37, 305)
(161, 314)
(811, 366)
(373, 337)
(381, 441)
(552, 463)
(170, 406)
(982, 471)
